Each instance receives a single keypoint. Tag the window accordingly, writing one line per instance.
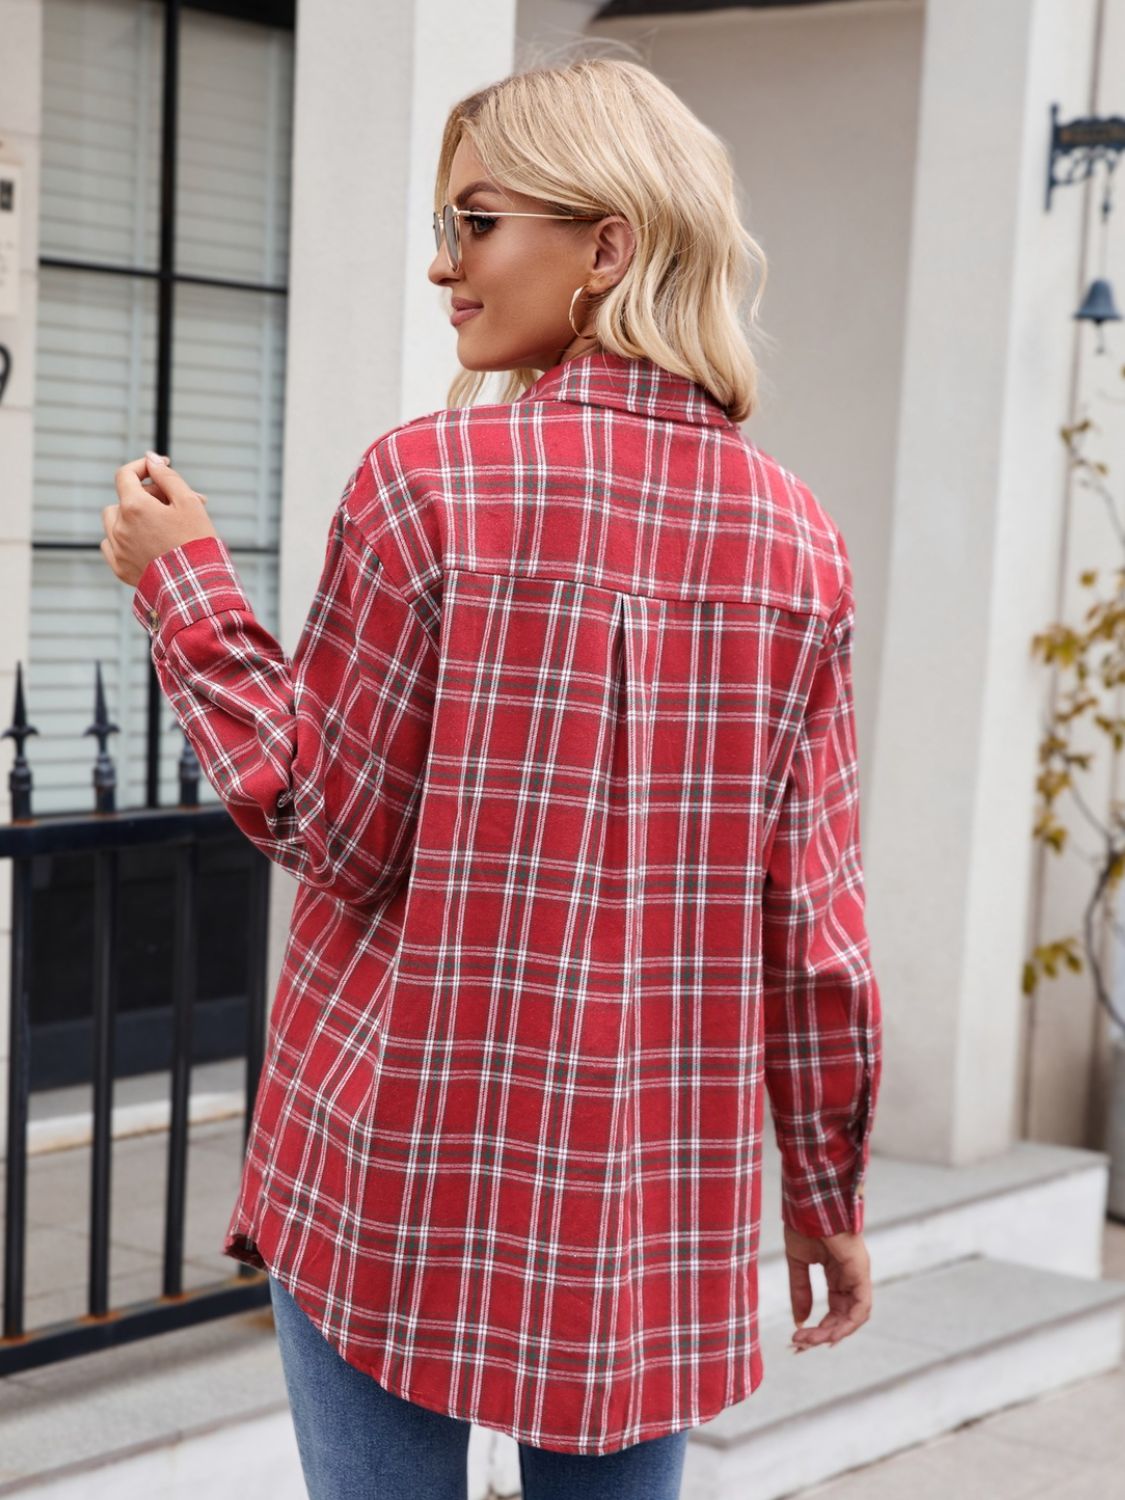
(161, 325)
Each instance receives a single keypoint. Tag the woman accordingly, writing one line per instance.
(564, 765)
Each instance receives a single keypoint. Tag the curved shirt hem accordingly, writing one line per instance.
(247, 1246)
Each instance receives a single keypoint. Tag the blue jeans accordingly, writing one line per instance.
(359, 1441)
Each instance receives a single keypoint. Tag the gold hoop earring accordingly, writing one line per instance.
(570, 314)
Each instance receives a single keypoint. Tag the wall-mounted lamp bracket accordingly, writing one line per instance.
(1082, 144)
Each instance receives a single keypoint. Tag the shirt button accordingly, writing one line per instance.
(153, 619)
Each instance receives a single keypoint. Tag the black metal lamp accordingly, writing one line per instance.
(1086, 142)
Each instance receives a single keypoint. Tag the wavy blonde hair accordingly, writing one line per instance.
(604, 135)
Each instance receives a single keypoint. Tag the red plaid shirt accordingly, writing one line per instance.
(565, 766)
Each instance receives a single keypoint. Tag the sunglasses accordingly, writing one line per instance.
(447, 225)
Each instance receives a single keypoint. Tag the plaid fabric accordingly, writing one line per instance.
(565, 766)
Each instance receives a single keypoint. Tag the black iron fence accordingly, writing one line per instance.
(103, 834)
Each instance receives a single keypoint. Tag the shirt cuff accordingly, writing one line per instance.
(840, 1207)
(186, 584)
(821, 1220)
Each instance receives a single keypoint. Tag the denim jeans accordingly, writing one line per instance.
(358, 1441)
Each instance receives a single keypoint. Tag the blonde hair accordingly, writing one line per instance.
(603, 135)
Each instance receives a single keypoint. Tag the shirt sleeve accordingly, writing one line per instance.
(823, 1014)
(318, 759)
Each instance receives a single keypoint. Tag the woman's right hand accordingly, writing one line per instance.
(847, 1270)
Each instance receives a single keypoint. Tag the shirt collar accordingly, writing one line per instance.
(601, 377)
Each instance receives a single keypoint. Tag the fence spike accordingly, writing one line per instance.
(105, 773)
(19, 778)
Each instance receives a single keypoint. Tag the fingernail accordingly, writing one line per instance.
(154, 458)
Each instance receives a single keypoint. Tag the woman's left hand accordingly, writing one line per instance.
(148, 521)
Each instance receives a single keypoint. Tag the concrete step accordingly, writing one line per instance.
(160, 1416)
(941, 1347)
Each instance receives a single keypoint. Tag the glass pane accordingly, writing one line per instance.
(100, 185)
(228, 390)
(235, 142)
(94, 396)
(95, 401)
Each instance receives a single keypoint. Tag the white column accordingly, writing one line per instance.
(977, 528)
(368, 346)
(20, 128)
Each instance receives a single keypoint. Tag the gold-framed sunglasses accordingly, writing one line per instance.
(447, 225)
